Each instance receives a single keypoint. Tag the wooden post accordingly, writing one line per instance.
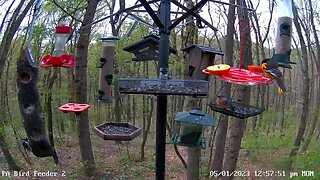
(29, 104)
(106, 69)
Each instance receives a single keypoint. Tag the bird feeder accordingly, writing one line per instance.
(106, 69)
(192, 125)
(241, 111)
(59, 58)
(200, 57)
(283, 35)
(117, 131)
(29, 104)
(163, 86)
(74, 108)
(147, 49)
(240, 76)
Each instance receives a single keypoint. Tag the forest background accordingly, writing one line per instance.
(285, 137)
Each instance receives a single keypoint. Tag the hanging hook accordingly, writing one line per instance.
(35, 14)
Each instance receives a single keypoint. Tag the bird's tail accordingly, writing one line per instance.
(281, 88)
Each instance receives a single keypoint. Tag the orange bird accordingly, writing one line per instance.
(271, 71)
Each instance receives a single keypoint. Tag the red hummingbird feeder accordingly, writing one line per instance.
(239, 76)
(59, 58)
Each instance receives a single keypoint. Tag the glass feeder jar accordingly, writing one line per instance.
(62, 34)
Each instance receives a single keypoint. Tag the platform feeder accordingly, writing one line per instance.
(147, 49)
(190, 133)
(117, 131)
(198, 58)
(241, 111)
(106, 69)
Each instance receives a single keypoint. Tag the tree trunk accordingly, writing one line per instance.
(242, 94)
(50, 115)
(9, 33)
(193, 163)
(146, 129)
(315, 116)
(223, 123)
(4, 148)
(316, 103)
(81, 88)
(305, 86)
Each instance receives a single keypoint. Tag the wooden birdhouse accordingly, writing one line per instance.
(200, 57)
(147, 49)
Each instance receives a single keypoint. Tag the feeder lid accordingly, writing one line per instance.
(195, 116)
(109, 38)
(147, 40)
(204, 49)
(63, 29)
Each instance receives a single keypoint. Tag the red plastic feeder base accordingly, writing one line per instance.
(65, 61)
(73, 107)
(242, 77)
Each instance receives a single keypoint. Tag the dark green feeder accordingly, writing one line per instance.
(191, 130)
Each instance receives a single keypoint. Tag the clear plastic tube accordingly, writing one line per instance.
(285, 8)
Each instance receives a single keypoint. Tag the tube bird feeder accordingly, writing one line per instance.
(283, 36)
(106, 69)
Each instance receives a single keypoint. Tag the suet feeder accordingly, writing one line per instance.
(163, 87)
(191, 130)
(59, 58)
(241, 111)
(106, 69)
(147, 49)
(198, 58)
(117, 131)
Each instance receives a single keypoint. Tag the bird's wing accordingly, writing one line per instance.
(274, 72)
(229, 102)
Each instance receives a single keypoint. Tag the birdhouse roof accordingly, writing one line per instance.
(196, 116)
(204, 49)
(153, 39)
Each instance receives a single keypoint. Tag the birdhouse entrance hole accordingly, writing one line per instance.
(25, 77)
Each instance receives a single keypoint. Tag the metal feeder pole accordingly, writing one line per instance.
(162, 100)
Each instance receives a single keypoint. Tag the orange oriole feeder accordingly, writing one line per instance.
(257, 69)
